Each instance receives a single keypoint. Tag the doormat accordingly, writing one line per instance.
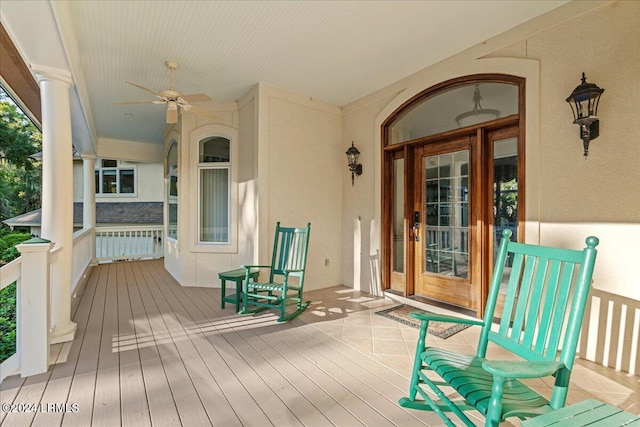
(400, 314)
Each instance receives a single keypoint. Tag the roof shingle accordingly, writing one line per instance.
(106, 213)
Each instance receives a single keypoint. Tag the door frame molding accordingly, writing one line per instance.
(524, 72)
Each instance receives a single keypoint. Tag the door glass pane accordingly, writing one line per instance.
(398, 215)
(446, 214)
(455, 108)
(505, 190)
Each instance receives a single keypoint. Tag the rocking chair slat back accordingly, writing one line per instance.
(289, 251)
(534, 312)
(286, 275)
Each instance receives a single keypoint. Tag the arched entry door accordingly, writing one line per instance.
(453, 168)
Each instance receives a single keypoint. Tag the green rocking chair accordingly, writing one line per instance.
(540, 325)
(285, 278)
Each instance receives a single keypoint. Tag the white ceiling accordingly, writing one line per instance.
(333, 51)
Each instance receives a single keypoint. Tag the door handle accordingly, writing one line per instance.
(416, 231)
(416, 226)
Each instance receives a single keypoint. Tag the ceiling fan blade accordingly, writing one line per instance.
(138, 102)
(207, 113)
(144, 88)
(196, 97)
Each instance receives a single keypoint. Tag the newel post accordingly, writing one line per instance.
(33, 307)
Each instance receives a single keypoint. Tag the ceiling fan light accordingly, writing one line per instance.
(172, 112)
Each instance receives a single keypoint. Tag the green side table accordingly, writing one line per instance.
(588, 412)
(238, 277)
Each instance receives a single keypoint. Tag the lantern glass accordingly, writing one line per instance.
(584, 102)
(352, 155)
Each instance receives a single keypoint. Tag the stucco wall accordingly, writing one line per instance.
(600, 195)
(301, 165)
(194, 264)
(288, 167)
(568, 197)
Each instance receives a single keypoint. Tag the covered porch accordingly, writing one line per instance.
(151, 352)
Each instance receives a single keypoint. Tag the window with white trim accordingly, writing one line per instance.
(113, 177)
(214, 164)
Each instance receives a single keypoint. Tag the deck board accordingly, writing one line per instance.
(82, 389)
(198, 357)
(161, 405)
(66, 362)
(134, 409)
(106, 403)
(166, 337)
(149, 352)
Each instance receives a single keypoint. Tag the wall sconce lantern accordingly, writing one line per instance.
(352, 159)
(584, 104)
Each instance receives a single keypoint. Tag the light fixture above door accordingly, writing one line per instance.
(477, 114)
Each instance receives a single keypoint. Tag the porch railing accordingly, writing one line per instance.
(31, 275)
(10, 274)
(82, 241)
(129, 243)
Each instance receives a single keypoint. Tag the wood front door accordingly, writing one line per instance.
(447, 203)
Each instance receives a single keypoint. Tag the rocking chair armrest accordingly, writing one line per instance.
(521, 369)
(250, 267)
(444, 318)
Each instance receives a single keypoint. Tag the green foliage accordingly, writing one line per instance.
(9, 241)
(8, 252)
(19, 138)
(20, 174)
(20, 184)
(7, 322)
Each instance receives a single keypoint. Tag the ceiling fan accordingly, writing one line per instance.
(174, 99)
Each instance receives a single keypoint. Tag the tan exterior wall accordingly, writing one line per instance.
(301, 166)
(292, 166)
(288, 168)
(568, 197)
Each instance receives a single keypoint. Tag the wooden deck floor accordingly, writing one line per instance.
(150, 352)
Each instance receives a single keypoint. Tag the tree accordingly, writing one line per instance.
(20, 174)
(20, 183)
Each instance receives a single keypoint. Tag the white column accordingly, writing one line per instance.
(33, 307)
(57, 193)
(89, 200)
